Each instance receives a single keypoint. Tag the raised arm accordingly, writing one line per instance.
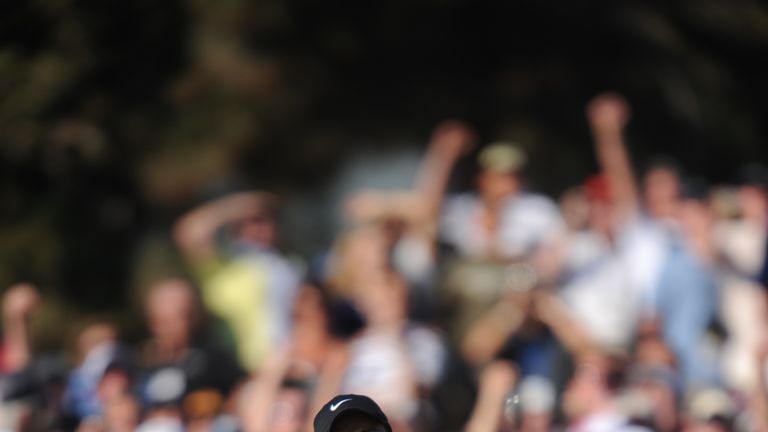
(608, 114)
(555, 314)
(329, 381)
(420, 205)
(195, 232)
(496, 381)
(258, 400)
(487, 335)
(19, 302)
(450, 141)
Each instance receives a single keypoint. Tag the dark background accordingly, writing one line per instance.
(116, 116)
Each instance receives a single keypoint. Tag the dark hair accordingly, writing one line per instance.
(663, 162)
(753, 174)
(695, 189)
(344, 319)
(615, 375)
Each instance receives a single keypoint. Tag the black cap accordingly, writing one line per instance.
(345, 403)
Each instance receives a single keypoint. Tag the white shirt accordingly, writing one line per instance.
(606, 421)
(526, 222)
(381, 368)
(611, 288)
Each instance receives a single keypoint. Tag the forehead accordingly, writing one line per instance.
(661, 173)
(168, 295)
(496, 175)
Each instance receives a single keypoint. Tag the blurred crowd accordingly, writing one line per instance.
(633, 302)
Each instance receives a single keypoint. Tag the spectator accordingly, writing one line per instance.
(19, 303)
(589, 402)
(609, 270)
(103, 366)
(741, 240)
(500, 221)
(244, 279)
(348, 413)
(661, 191)
(179, 367)
(688, 292)
(496, 382)
(392, 359)
(498, 224)
(740, 237)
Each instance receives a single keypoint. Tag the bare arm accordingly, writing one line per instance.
(260, 397)
(194, 233)
(495, 383)
(759, 402)
(608, 114)
(421, 205)
(329, 382)
(450, 140)
(366, 206)
(487, 335)
(555, 314)
(19, 302)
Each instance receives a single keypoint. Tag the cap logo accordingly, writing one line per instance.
(337, 404)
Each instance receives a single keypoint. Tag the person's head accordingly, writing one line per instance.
(289, 410)
(357, 254)
(384, 299)
(357, 422)
(695, 214)
(351, 413)
(171, 311)
(602, 215)
(537, 398)
(595, 380)
(575, 207)
(258, 228)
(115, 382)
(661, 188)
(652, 351)
(752, 195)
(654, 378)
(121, 413)
(96, 334)
(498, 176)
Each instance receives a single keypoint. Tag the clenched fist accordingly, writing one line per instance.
(608, 111)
